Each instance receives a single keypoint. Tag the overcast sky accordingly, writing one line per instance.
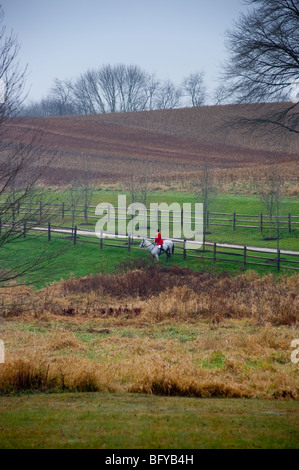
(172, 38)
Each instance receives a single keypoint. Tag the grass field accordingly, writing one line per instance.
(161, 369)
(153, 330)
(64, 260)
(223, 202)
(104, 349)
(88, 259)
(113, 421)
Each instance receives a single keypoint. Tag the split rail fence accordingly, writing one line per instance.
(64, 211)
(244, 255)
(212, 252)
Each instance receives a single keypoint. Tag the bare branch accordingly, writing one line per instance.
(264, 61)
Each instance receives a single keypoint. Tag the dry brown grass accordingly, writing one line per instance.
(188, 333)
(203, 367)
(44, 374)
(158, 293)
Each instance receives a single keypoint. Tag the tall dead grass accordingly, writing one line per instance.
(154, 372)
(156, 330)
(261, 300)
(161, 293)
(42, 373)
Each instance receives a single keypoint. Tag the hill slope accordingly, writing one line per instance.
(171, 142)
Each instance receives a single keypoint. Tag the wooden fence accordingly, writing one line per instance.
(212, 252)
(234, 220)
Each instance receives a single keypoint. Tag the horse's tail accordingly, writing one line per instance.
(172, 247)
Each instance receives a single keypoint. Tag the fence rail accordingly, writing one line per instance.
(234, 220)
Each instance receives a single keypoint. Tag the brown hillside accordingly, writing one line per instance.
(172, 142)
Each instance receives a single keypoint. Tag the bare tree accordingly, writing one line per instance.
(74, 199)
(87, 194)
(168, 96)
(152, 87)
(87, 184)
(83, 95)
(132, 85)
(271, 190)
(12, 78)
(204, 190)
(221, 95)
(22, 162)
(108, 84)
(61, 97)
(195, 89)
(138, 181)
(264, 61)
(112, 88)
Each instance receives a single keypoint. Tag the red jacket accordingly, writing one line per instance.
(158, 239)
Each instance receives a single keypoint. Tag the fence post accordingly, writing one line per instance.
(290, 222)
(184, 252)
(182, 217)
(75, 235)
(0, 225)
(18, 210)
(278, 260)
(101, 240)
(49, 232)
(214, 253)
(208, 217)
(24, 229)
(62, 211)
(261, 222)
(234, 221)
(244, 257)
(129, 243)
(40, 210)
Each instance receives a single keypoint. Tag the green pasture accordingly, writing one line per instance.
(127, 421)
(248, 204)
(222, 202)
(133, 421)
(60, 258)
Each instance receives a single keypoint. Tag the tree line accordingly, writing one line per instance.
(117, 88)
(262, 66)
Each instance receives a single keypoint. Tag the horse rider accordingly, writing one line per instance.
(159, 241)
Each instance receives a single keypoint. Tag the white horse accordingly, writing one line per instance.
(168, 246)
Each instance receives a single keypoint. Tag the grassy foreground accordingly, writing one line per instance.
(172, 337)
(173, 332)
(60, 258)
(111, 421)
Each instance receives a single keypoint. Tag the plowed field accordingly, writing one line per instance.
(171, 142)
